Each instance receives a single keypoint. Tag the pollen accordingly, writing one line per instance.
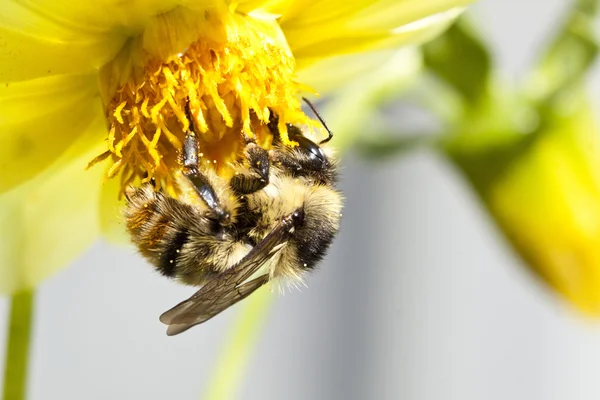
(227, 88)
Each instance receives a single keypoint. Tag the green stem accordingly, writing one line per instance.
(17, 353)
(238, 347)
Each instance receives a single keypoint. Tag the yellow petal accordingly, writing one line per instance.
(352, 111)
(381, 15)
(331, 73)
(41, 38)
(32, 45)
(172, 32)
(324, 28)
(48, 221)
(40, 119)
(275, 8)
(111, 213)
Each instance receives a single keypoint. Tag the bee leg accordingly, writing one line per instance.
(199, 180)
(152, 180)
(255, 176)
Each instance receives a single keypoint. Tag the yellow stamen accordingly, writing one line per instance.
(234, 82)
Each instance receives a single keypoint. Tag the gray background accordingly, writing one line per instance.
(420, 298)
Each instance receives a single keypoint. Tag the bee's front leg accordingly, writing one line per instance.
(253, 175)
(199, 181)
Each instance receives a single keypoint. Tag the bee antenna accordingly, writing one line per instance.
(314, 110)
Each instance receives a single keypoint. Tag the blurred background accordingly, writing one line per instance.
(420, 297)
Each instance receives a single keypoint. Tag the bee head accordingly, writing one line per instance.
(315, 158)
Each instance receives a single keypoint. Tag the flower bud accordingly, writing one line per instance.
(543, 190)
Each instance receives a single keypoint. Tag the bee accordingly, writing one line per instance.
(275, 219)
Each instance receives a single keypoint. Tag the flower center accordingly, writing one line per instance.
(234, 82)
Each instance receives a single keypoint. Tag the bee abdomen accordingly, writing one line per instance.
(167, 261)
(158, 227)
(161, 241)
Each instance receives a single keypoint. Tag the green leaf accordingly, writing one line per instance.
(569, 56)
(461, 60)
(385, 146)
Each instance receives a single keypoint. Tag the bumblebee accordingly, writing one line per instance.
(275, 219)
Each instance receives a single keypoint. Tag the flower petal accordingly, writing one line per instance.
(331, 73)
(352, 110)
(40, 38)
(325, 28)
(111, 213)
(40, 119)
(48, 221)
(275, 8)
(34, 44)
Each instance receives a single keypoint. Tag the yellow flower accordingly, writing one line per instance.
(543, 190)
(108, 83)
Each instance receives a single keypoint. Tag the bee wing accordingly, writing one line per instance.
(227, 288)
(198, 309)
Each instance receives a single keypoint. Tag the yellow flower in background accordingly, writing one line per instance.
(109, 82)
(543, 190)
(530, 148)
